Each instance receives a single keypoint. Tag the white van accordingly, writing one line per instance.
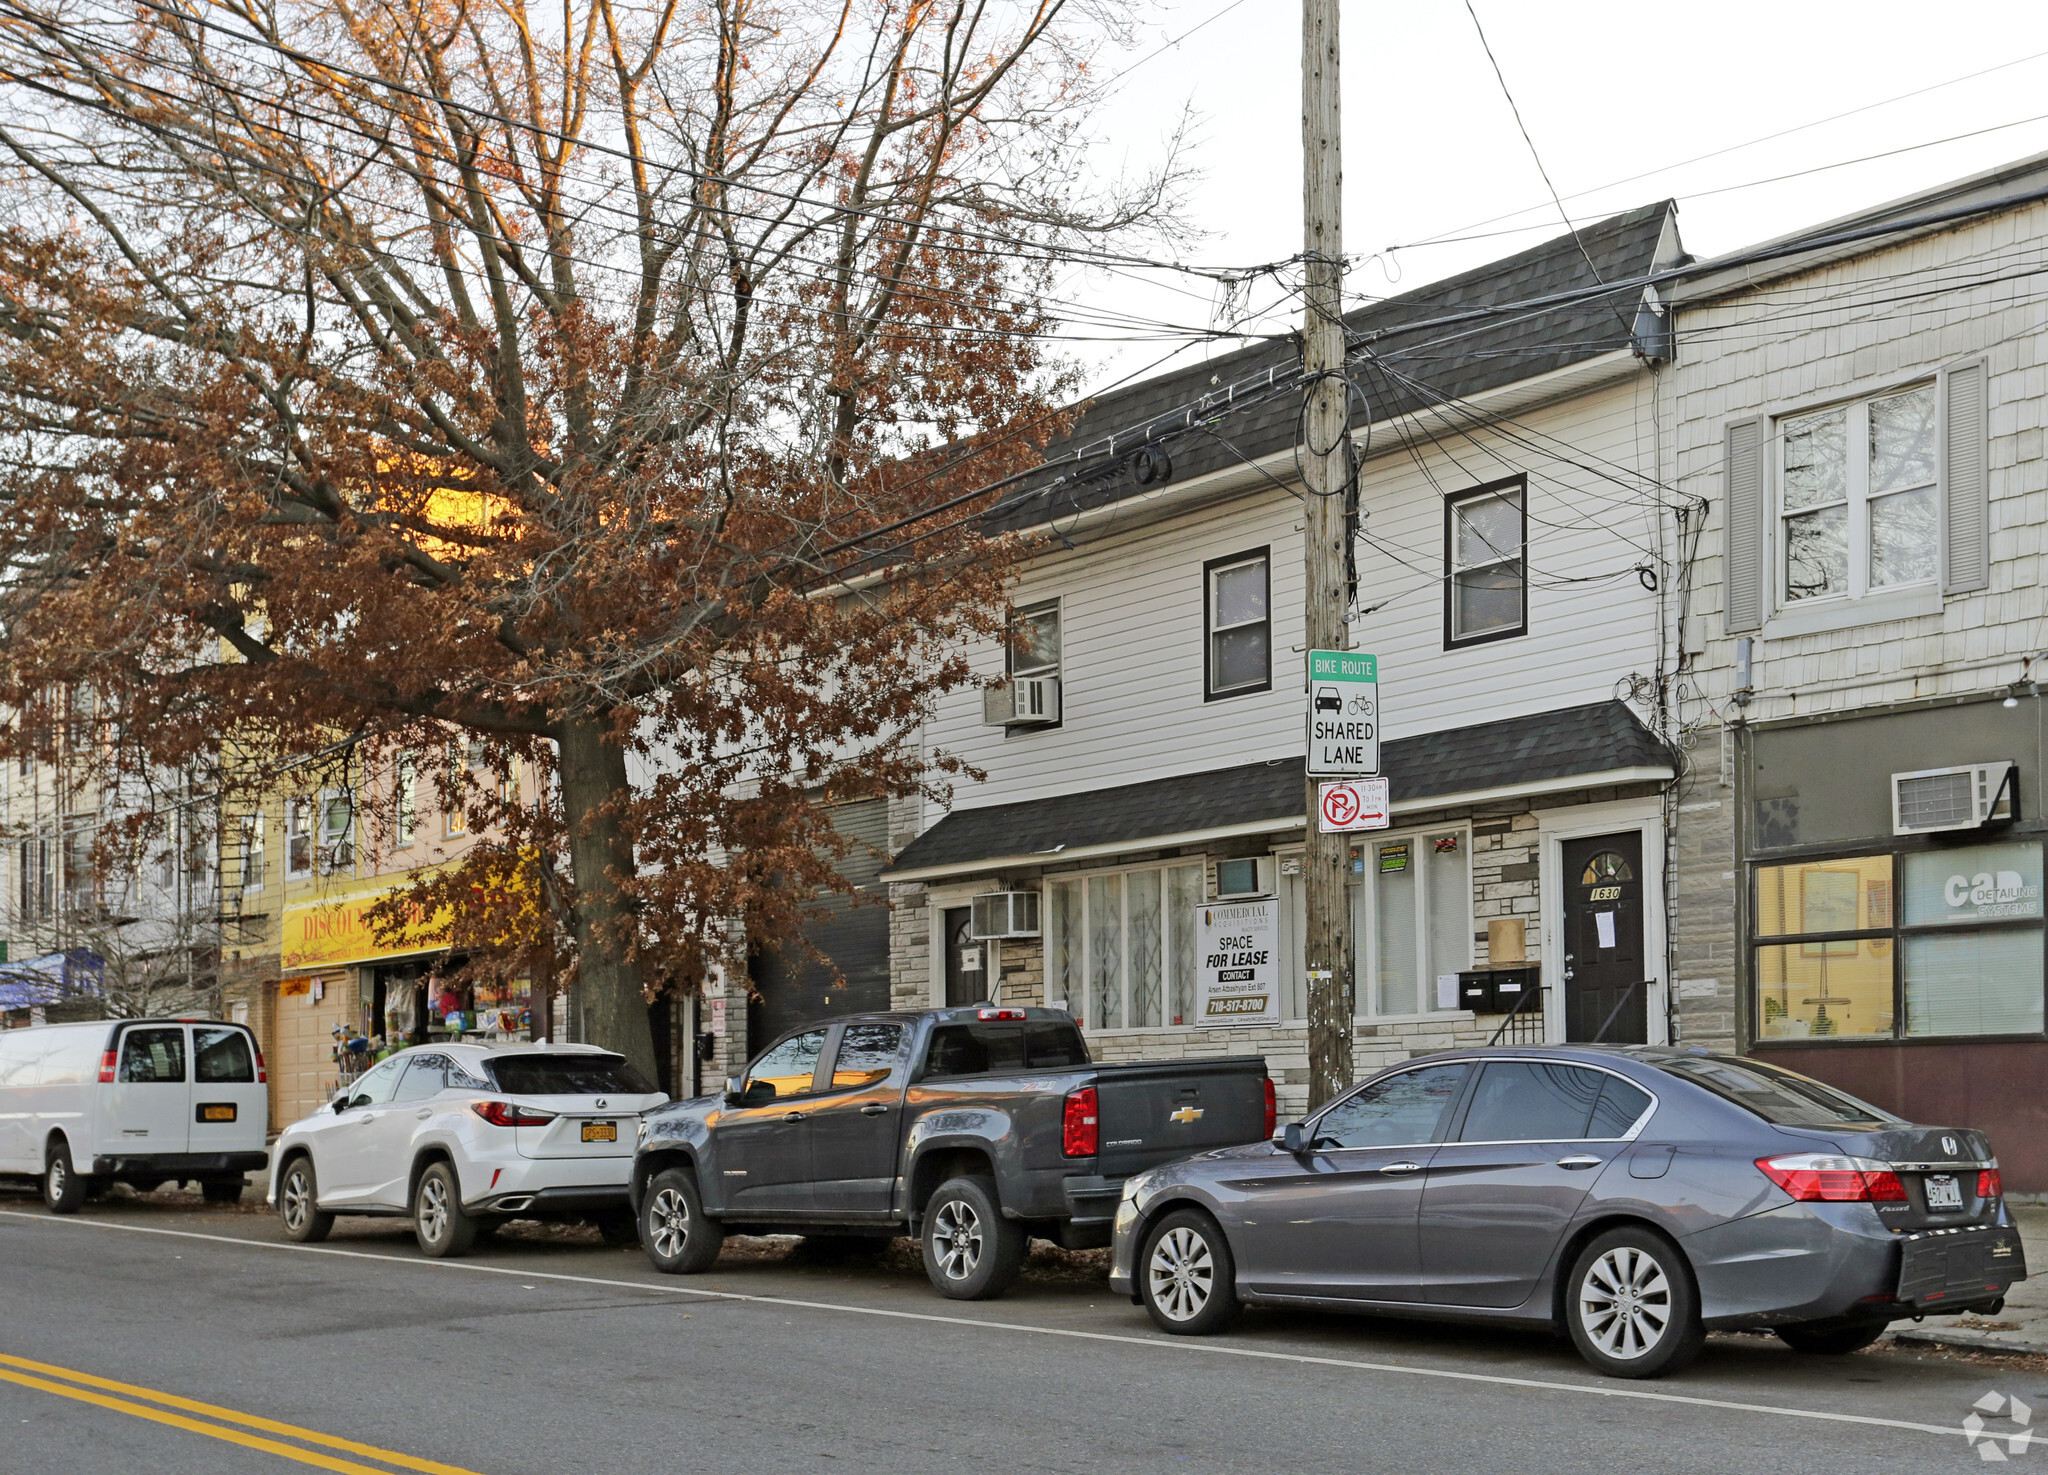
(137, 1101)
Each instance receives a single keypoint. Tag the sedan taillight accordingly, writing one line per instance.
(1990, 1184)
(1080, 1127)
(507, 1114)
(1821, 1177)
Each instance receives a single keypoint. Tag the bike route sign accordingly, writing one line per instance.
(1343, 714)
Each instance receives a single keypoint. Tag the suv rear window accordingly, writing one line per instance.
(566, 1075)
(990, 1049)
(1780, 1097)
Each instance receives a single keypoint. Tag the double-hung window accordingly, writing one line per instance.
(298, 837)
(1900, 945)
(406, 816)
(337, 831)
(1859, 507)
(1237, 607)
(1486, 584)
(1120, 945)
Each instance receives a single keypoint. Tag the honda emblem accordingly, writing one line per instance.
(1948, 1145)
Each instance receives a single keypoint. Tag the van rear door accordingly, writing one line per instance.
(230, 1107)
(150, 1101)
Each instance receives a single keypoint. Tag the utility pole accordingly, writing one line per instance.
(1328, 953)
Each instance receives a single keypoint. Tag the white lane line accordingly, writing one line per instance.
(1165, 1344)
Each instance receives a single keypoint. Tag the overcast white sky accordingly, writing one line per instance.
(1608, 90)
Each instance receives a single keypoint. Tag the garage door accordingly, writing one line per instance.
(305, 1011)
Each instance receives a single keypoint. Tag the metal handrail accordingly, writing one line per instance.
(1619, 1005)
(1515, 1013)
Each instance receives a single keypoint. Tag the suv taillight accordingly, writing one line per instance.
(1080, 1129)
(1272, 1107)
(1821, 1177)
(507, 1114)
(1990, 1184)
(107, 1068)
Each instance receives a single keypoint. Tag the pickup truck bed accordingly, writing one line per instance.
(853, 1126)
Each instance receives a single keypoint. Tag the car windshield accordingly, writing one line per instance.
(1780, 1097)
(566, 1075)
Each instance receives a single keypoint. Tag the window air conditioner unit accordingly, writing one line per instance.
(1022, 701)
(1252, 876)
(1000, 914)
(1965, 798)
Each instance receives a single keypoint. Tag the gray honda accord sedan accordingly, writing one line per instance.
(1638, 1197)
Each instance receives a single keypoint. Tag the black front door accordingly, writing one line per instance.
(966, 960)
(1606, 993)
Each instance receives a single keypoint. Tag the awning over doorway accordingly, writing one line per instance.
(1516, 757)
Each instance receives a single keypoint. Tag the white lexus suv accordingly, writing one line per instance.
(460, 1138)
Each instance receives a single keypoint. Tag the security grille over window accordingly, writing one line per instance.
(1000, 914)
(1964, 798)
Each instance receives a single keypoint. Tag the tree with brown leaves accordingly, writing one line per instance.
(388, 371)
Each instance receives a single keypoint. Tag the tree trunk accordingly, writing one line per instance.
(594, 789)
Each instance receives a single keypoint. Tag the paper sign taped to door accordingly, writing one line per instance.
(1603, 922)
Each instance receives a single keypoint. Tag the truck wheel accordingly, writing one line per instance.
(298, 1203)
(438, 1222)
(971, 1252)
(1187, 1276)
(674, 1230)
(63, 1189)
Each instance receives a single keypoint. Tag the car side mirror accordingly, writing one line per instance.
(1290, 1137)
(732, 1091)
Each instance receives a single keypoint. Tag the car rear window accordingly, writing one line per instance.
(1781, 1097)
(222, 1055)
(566, 1075)
(990, 1049)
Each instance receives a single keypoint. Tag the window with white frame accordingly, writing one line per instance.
(298, 837)
(337, 831)
(1120, 945)
(1238, 612)
(1411, 921)
(1859, 505)
(406, 817)
(1486, 592)
(1035, 640)
(254, 862)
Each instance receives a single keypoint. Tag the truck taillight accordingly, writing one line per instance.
(1821, 1177)
(107, 1068)
(1080, 1129)
(1990, 1184)
(508, 1114)
(1272, 1107)
(1000, 1014)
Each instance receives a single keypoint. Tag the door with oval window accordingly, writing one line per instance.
(1606, 988)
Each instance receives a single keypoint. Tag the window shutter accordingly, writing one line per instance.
(1965, 480)
(1748, 524)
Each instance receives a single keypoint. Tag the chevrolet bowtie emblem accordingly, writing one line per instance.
(1187, 1114)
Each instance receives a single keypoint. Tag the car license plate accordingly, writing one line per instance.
(217, 1112)
(1943, 1191)
(600, 1131)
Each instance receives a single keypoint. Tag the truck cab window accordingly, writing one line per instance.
(990, 1049)
(867, 1053)
(790, 1068)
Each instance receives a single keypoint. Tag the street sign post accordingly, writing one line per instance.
(1343, 714)
(1353, 804)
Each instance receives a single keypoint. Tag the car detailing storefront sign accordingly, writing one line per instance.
(1239, 981)
(1343, 713)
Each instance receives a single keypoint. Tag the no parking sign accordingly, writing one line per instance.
(1353, 804)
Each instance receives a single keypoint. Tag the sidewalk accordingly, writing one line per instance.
(2023, 1325)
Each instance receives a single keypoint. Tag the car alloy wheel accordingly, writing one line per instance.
(1182, 1272)
(958, 1239)
(1625, 1303)
(668, 1222)
(296, 1200)
(433, 1209)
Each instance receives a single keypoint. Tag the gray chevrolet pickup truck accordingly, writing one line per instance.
(972, 1128)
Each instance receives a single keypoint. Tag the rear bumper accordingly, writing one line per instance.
(579, 1200)
(177, 1164)
(1092, 1200)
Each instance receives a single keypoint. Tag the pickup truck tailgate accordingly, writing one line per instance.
(1157, 1111)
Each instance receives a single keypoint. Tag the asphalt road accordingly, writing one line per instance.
(140, 1335)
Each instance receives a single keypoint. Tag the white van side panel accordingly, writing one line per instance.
(54, 1077)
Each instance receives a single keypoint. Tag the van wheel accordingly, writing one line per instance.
(221, 1190)
(680, 1239)
(298, 1203)
(63, 1189)
(438, 1222)
(971, 1252)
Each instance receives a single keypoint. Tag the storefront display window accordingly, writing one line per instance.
(1956, 951)
(1120, 945)
(1411, 918)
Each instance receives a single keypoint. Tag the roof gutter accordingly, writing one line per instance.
(1060, 855)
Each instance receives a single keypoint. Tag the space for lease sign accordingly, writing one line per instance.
(1239, 977)
(1343, 713)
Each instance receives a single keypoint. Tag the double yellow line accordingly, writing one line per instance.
(213, 1421)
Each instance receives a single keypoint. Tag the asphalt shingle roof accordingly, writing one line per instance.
(1456, 362)
(1604, 737)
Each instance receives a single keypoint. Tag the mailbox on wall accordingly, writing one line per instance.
(1497, 990)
